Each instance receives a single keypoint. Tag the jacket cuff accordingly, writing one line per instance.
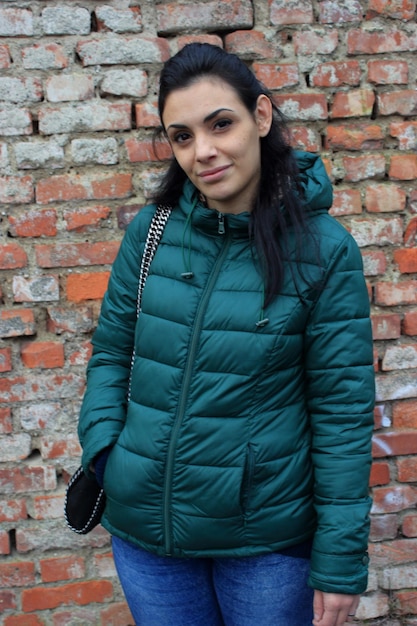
(100, 465)
(345, 573)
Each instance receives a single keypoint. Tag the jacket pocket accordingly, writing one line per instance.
(247, 479)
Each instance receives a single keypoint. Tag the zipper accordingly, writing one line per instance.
(221, 227)
(184, 393)
(247, 478)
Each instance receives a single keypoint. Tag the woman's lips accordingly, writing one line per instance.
(214, 174)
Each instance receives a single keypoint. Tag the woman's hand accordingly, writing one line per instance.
(333, 609)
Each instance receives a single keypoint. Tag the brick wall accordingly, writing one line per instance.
(77, 109)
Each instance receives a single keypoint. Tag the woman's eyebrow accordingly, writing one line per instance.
(208, 118)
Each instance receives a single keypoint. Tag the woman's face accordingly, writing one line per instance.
(216, 141)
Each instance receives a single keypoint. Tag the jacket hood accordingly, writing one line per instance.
(315, 183)
(318, 191)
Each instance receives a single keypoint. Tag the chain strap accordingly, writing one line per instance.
(156, 228)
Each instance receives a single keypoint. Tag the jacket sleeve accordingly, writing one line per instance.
(340, 396)
(103, 409)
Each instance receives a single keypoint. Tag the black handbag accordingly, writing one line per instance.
(84, 498)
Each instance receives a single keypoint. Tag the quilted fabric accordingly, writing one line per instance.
(241, 437)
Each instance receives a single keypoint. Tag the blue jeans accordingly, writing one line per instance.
(267, 590)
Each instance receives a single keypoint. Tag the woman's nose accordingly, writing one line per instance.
(204, 147)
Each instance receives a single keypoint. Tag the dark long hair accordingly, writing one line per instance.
(278, 188)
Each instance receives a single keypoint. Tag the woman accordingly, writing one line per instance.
(237, 476)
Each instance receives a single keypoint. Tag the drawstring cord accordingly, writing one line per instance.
(187, 261)
(262, 321)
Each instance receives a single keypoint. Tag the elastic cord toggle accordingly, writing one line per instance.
(262, 323)
(187, 275)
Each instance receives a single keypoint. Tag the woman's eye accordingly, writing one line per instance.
(222, 124)
(181, 137)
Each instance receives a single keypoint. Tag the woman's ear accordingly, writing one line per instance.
(263, 115)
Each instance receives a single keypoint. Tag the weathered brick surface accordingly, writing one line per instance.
(77, 112)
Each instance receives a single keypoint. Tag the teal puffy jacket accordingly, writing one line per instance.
(239, 439)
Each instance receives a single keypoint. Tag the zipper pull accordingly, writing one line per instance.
(221, 229)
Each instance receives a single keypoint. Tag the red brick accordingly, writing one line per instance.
(375, 262)
(361, 41)
(70, 320)
(388, 72)
(17, 322)
(146, 115)
(403, 167)
(303, 138)
(87, 286)
(17, 574)
(380, 474)
(5, 60)
(76, 254)
(250, 44)
(404, 414)
(407, 470)
(81, 355)
(52, 448)
(354, 103)
(116, 615)
(336, 73)
(43, 598)
(277, 76)
(80, 117)
(409, 525)
(65, 87)
(7, 600)
(104, 565)
(410, 323)
(23, 620)
(215, 40)
(392, 294)
(34, 224)
(5, 547)
(132, 15)
(6, 423)
(384, 527)
(83, 187)
(47, 506)
(393, 552)
(394, 443)
(406, 259)
(16, 22)
(386, 326)
(393, 499)
(406, 132)
(85, 218)
(315, 42)
(25, 479)
(16, 189)
(143, 150)
(398, 102)
(385, 198)
(302, 106)
(12, 256)
(12, 510)
(406, 602)
(40, 386)
(364, 166)
(44, 354)
(399, 9)
(81, 616)
(214, 15)
(346, 202)
(5, 359)
(335, 12)
(355, 137)
(62, 568)
(45, 56)
(283, 12)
